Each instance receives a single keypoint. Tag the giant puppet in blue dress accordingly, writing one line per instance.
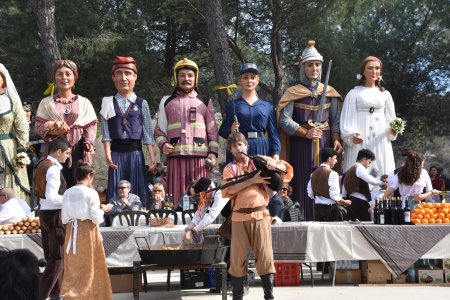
(255, 117)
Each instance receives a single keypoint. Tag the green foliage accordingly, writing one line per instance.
(411, 37)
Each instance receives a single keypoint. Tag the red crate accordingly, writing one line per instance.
(287, 274)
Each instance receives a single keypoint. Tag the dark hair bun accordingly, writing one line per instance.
(411, 153)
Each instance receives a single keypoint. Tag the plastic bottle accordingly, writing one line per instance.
(185, 202)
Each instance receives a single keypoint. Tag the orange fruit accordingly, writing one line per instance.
(434, 216)
(413, 216)
(420, 206)
(446, 220)
(419, 216)
(416, 221)
(440, 215)
(438, 221)
(444, 211)
(447, 216)
(432, 221)
(428, 211)
(434, 209)
(426, 216)
(437, 205)
(422, 211)
(428, 205)
(424, 221)
(415, 211)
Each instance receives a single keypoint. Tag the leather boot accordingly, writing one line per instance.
(267, 283)
(238, 287)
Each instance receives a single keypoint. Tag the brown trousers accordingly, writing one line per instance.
(53, 232)
(254, 234)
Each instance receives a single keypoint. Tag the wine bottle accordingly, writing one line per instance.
(376, 213)
(400, 211)
(381, 213)
(394, 211)
(387, 211)
(407, 213)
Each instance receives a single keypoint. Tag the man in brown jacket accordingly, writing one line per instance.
(324, 188)
(49, 186)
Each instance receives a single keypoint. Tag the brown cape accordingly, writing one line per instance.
(293, 93)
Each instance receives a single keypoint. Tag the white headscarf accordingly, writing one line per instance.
(10, 87)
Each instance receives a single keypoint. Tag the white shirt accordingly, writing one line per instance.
(204, 217)
(334, 190)
(83, 203)
(52, 199)
(12, 211)
(362, 173)
(410, 190)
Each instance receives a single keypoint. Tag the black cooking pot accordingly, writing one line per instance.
(187, 254)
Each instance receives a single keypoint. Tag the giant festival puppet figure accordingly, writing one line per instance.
(125, 121)
(298, 112)
(186, 131)
(13, 138)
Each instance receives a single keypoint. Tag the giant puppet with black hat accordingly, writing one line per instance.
(125, 120)
(186, 131)
(309, 121)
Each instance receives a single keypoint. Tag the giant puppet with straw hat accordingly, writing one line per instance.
(186, 131)
(309, 121)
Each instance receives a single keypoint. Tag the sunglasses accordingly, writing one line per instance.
(157, 191)
(123, 187)
(284, 189)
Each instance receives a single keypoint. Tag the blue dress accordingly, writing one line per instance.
(259, 117)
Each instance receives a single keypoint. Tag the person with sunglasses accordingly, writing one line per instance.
(158, 196)
(291, 211)
(123, 201)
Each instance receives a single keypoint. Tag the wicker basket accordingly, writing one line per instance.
(159, 221)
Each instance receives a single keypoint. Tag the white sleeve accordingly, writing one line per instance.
(348, 122)
(333, 182)
(362, 173)
(393, 181)
(389, 113)
(53, 178)
(310, 190)
(214, 211)
(95, 213)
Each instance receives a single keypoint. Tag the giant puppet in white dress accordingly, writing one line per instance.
(366, 115)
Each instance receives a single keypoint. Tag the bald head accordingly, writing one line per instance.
(6, 194)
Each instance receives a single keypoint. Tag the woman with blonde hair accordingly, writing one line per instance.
(158, 196)
(68, 115)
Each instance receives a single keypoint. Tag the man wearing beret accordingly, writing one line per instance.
(125, 121)
(186, 131)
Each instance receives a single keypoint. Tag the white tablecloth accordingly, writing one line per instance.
(325, 242)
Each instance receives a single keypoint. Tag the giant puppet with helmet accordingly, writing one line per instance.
(309, 121)
(186, 131)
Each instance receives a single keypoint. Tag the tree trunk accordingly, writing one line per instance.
(44, 12)
(218, 46)
(276, 51)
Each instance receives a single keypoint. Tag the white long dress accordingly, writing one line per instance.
(368, 111)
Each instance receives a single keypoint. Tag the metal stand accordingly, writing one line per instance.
(138, 268)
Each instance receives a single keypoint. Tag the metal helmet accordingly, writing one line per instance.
(185, 64)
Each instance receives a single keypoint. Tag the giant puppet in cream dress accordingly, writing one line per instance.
(13, 137)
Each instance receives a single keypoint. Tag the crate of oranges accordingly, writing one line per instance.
(431, 213)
